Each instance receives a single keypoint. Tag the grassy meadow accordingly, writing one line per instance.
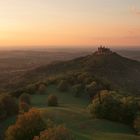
(72, 112)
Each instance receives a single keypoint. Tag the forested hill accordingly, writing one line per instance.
(120, 72)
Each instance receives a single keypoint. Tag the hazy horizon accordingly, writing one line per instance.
(65, 48)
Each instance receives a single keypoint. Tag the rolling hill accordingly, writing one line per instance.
(120, 72)
(73, 113)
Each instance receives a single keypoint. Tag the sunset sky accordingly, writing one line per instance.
(69, 22)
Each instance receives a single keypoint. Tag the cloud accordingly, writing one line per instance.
(135, 10)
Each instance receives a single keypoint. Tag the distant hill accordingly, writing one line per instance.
(13, 64)
(122, 73)
(132, 54)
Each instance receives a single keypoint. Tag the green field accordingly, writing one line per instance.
(72, 112)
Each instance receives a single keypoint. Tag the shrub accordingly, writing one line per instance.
(25, 98)
(27, 126)
(63, 86)
(52, 100)
(55, 133)
(8, 105)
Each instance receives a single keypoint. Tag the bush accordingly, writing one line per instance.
(27, 126)
(63, 86)
(8, 105)
(56, 133)
(52, 100)
(25, 98)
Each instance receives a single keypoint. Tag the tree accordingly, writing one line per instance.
(23, 107)
(42, 88)
(110, 108)
(137, 124)
(25, 98)
(8, 105)
(31, 89)
(129, 109)
(63, 86)
(27, 126)
(85, 78)
(113, 108)
(92, 89)
(52, 100)
(77, 90)
(56, 133)
(2, 112)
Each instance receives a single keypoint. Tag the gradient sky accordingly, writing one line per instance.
(69, 22)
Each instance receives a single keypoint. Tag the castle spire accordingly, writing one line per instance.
(102, 50)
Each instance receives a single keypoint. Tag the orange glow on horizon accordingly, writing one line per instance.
(61, 23)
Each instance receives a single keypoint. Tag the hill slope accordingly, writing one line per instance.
(122, 73)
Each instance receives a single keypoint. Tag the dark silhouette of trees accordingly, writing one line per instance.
(25, 98)
(63, 85)
(8, 105)
(136, 124)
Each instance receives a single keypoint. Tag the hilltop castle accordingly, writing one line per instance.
(103, 51)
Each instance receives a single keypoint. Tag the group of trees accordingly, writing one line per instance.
(115, 109)
(80, 83)
(35, 88)
(55, 133)
(26, 127)
(8, 106)
(31, 126)
(24, 103)
(136, 124)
